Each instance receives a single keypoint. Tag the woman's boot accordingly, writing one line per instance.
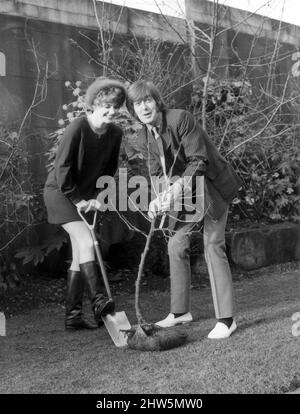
(75, 290)
(101, 305)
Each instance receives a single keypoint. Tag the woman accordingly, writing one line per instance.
(89, 149)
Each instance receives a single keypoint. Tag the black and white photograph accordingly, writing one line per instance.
(149, 203)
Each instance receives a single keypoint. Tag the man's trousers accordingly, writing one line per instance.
(217, 263)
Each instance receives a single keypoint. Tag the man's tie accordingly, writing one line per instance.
(161, 152)
(163, 164)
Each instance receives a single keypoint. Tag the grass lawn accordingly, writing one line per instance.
(262, 356)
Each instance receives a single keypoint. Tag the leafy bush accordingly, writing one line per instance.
(38, 253)
(19, 204)
(266, 158)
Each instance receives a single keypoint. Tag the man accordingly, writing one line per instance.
(175, 145)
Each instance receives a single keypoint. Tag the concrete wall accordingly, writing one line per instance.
(123, 20)
(81, 14)
(55, 57)
(243, 22)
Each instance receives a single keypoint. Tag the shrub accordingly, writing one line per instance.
(268, 164)
(19, 205)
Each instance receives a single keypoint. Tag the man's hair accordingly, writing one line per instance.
(105, 90)
(140, 90)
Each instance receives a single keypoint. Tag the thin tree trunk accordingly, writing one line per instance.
(140, 319)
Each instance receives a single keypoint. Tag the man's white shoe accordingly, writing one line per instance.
(170, 320)
(221, 331)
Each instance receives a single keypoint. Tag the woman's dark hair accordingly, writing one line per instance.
(105, 90)
(140, 90)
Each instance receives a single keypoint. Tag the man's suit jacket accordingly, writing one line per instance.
(189, 152)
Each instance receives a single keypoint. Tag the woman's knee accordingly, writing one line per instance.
(85, 245)
(80, 236)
